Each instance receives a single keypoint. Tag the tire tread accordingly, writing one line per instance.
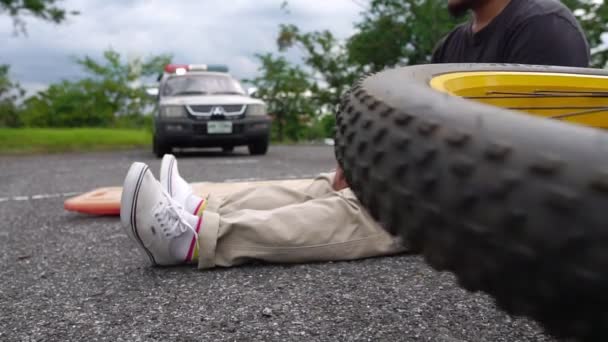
(456, 196)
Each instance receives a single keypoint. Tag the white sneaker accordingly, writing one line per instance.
(159, 226)
(178, 188)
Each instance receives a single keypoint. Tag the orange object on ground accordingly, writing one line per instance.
(102, 201)
(106, 201)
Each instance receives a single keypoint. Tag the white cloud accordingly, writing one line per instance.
(209, 31)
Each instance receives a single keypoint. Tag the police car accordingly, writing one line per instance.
(204, 106)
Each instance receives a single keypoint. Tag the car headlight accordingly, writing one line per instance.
(256, 110)
(172, 111)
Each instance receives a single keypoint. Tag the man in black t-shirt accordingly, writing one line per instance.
(542, 32)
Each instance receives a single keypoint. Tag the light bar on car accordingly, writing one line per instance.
(183, 68)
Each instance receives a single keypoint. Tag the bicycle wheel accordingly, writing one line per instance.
(497, 173)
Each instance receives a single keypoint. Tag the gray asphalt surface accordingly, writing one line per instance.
(71, 277)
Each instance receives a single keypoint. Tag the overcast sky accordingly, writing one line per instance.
(194, 31)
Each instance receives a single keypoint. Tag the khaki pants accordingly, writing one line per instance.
(285, 225)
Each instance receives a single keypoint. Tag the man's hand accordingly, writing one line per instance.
(339, 180)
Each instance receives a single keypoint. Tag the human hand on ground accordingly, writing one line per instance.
(339, 180)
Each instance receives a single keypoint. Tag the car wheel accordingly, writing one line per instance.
(160, 148)
(259, 147)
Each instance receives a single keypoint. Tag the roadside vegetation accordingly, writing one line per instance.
(302, 97)
(53, 140)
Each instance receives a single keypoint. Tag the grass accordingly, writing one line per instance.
(51, 140)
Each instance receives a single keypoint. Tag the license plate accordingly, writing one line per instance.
(219, 127)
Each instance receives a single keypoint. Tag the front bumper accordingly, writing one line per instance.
(187, 132)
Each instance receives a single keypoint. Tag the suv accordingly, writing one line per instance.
(204, 106)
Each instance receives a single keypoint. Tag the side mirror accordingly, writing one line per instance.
(252, 91)
(152, 91)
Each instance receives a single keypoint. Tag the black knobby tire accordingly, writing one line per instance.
(258, 147)
(514, 205)
(159, 148)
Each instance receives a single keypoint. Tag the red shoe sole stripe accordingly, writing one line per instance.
(198, 207)
(193, 242)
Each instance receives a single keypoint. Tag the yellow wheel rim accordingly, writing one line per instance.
(579, 99)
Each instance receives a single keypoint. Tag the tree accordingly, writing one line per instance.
(593, 16)
(399, 32)
(10, 93)
(285, 88)
(111, 95)
(120, 80)
(327, 59)
(43, 9)
(69, 104)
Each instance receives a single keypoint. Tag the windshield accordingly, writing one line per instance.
(201, 85)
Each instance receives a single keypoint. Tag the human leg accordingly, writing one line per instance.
(251, 198)
(331, 226)
(327, 228)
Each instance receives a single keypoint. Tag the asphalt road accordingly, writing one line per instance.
(70, 277)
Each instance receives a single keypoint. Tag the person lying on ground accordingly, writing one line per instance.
(321, 221)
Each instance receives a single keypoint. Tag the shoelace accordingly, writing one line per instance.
(170, 216)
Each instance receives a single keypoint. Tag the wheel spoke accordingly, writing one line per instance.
(584, 112)
(539, 94)
(544, 94)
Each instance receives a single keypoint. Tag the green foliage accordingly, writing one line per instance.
(320, 127)
(35, 140)
(399, 32)
(68, 104)
(111, 96)
(119, 81)
(327, 59)
(391, 32)
(10, 93)
(593, 16)
(43, 9)
(284, 88)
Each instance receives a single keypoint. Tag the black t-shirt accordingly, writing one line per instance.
(542, 32)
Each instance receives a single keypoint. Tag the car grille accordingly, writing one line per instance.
(201, 108)
(208, 110)
(233, 108)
